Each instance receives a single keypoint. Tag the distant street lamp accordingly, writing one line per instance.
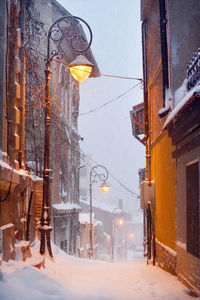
(120, 222)
(60, 31)
(97, 173)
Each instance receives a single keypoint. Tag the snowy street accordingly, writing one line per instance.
(69, 278)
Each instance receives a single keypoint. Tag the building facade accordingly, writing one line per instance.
(170, 192)
(15, 181)
(64, 137)
(24, 29)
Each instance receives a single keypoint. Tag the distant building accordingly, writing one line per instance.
(101, 240)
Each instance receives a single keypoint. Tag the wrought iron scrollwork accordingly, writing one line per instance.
(98, 173)
(67, 29)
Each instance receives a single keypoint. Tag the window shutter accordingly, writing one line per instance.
(193, 216)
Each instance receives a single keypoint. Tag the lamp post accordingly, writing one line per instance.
(98, 173)
(120, 222)
(59, 33)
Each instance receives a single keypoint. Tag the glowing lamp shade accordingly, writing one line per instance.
(104, 188)
(80, 68)
(80, 73)
(131, 234)
(120, 222)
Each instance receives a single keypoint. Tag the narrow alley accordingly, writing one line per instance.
(70, 278)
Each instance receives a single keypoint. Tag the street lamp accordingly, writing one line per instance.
(120, 222)
(97, 173)
(59, 32)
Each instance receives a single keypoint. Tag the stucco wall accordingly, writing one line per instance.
(164, 175)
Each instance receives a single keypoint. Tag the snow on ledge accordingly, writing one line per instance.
(181, 245)
(66, 206)
(180, 105)
(3, 227)
(168, 249)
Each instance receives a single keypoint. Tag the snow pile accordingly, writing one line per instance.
(70, 278)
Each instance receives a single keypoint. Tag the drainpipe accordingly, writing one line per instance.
(22, 84)
(164, 52)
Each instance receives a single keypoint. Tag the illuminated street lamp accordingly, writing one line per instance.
(80, 68)
(97, 173)
(120, 222)
(59, 33)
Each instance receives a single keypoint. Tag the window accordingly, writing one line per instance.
(193, 208)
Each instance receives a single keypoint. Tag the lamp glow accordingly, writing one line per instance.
(80, 68)
(120, 222)
(131, 234)
(80, 73)
(104, 188)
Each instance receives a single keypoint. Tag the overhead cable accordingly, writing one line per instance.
(110, 101)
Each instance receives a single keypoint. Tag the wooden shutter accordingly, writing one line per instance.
(193, 215)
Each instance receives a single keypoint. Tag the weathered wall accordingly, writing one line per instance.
(164, 175)
(3, 42)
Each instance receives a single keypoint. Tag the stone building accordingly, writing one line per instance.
(15, 181)
(170, 192)
(64, 136)
(23, 44)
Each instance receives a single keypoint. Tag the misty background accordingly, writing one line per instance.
(107, 133)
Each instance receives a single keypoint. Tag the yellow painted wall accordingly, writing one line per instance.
(164, 176)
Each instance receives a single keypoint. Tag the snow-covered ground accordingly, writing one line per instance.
(69, 278)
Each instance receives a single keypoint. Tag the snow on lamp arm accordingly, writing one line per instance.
(61, 30)
(98, 173)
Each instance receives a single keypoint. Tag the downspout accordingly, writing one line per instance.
(145, 93)
(22, 83)
(150, 209)
(164, 53)
(149, 150)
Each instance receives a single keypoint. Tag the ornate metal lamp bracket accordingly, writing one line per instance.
(61, 30)
(98, 173)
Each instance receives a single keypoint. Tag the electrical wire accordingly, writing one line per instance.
(94, 73)
(110, 101)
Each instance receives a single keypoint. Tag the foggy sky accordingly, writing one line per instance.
(117, 49)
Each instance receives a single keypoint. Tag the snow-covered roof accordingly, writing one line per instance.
(66, 206)
(102, 205)
(182, 105)
(85, 217)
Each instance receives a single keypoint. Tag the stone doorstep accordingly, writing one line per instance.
(25, 253)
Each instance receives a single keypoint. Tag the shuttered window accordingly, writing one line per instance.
(193, 208)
